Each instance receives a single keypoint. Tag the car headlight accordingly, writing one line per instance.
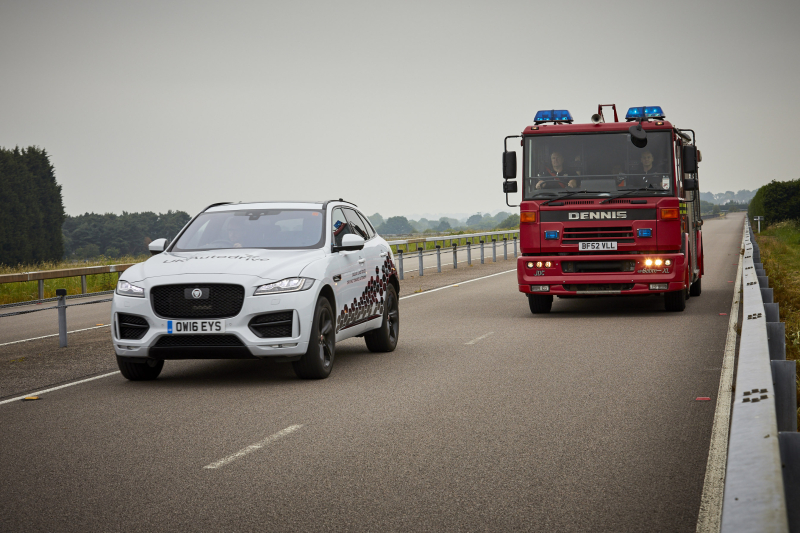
(284, 285)
(126, 289)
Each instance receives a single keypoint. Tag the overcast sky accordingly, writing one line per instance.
(400, 107)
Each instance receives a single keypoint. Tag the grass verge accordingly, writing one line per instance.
(29, 290)
(780, 255)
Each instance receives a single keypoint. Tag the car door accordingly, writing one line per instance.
(370, 299)
(349, 277)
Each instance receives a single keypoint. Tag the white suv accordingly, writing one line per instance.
(284, 281)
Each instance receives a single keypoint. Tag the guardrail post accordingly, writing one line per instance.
(784, 379)
(494, 250)
(419, 251)
(439, 258)
(62, 317)
(469, 253)
(481, 251)
(455, 255)
(400, 261)
(790, 458)
(83, 285)
(505, 249)
(41, 289)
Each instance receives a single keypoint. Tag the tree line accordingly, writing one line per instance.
(777, 201)
(31, 208)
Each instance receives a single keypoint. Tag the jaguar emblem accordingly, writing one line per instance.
(197, 293)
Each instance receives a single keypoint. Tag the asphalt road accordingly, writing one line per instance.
(485, 418)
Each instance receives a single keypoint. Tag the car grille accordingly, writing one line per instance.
(197, 341)
(224, 301)
(581, 287)
(132, 327)
(620, 234)
(272, 325)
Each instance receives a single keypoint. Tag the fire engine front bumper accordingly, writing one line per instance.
(590, 275)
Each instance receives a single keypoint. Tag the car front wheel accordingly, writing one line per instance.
(317, 362)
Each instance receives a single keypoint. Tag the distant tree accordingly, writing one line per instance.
(715, 210)
(376, 219)
(395, 226)
(111, 252)
(474, 220)
(443, 226)
(510, 222)
(87, 252)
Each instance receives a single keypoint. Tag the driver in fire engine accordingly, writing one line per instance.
(558, 174)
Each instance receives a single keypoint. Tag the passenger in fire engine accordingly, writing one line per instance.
(647, 178)
(557, 174)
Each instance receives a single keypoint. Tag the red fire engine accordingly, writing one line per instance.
(608, 208)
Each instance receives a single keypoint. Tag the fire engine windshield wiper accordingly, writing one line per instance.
(631, 191)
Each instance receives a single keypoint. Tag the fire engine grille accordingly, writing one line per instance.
(223, 301)
(272, 325)
(620, 234)
(598, 266)
(585, 287)
(132, 327)
(197, 341)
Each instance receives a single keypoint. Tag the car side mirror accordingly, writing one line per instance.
(690, 159)
(350, 243)
(157, 246)
(509, 165)
(690, 184)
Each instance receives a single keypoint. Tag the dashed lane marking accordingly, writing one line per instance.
(253, 447)
(473, 341)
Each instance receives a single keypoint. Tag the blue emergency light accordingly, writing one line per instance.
(645, 232)
(551, 235)
(636, 113)
(552, 115)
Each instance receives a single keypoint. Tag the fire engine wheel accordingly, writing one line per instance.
(540, 303)
(696, 288)
(675, 301)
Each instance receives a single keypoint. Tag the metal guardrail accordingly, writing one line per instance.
(42, 275)
(762, 480)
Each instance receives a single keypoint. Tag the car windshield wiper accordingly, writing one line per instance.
(631, 191)
(573, 193)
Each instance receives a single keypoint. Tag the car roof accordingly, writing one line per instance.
(228, 206)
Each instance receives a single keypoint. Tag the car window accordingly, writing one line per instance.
(357, 222)
(367, 224)
(339, 226)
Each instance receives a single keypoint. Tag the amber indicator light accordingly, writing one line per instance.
(527, 216)
(669, 213)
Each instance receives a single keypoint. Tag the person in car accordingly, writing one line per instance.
(558, 172)
(235, 231)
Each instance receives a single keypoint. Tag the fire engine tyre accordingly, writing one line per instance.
(540, 303)
(696, 288)
(317, 362)
(147, 370)
(675, 301)
(384, 339)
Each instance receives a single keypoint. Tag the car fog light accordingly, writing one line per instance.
(648, 262)
(659, 286)
(540, 288)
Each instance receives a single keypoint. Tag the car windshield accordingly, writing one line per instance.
(601, 164)
(261, 228)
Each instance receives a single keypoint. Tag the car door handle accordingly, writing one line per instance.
(361, 260)
(383, 254)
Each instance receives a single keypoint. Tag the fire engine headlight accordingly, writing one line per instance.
(538, 264)
(667, 262)
(659, 286)
(658, 262)
(530, 264)
(648, 262)
(548, 264)
(540, 288)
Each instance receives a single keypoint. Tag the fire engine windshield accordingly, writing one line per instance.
(600, 164)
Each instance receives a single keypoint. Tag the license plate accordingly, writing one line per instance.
(195, 326)
(597, 246)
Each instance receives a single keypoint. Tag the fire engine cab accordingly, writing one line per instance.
(608, 208)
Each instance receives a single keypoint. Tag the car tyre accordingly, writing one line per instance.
(540, 303)
(675, 301)
(384, 339)
(147, 370)
(317, 362)
(696, 288)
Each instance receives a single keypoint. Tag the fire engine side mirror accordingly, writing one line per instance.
(690, 184)
(509, 187)
(509, 165)
(690, 159)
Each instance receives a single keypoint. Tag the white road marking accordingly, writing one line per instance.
(54, 335)
(456, 284)
(710, 517)
(254, 447)
(473, 341)
(59, 387)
